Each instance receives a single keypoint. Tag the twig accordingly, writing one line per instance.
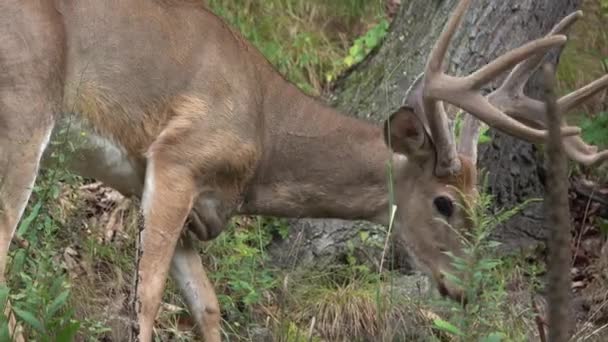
(539, 320)
(558, 217)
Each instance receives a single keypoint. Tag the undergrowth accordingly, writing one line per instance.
(40, 288)
(585, 58)
(490, 313)
(310, 42)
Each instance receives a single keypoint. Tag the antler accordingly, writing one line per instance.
(464, 92)
(511, 99)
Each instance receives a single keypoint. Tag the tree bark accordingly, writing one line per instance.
(376, 87)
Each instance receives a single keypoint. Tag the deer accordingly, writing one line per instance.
(182, 112)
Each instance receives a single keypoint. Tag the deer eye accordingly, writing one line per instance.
(444, 206)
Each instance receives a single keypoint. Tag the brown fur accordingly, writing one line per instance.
(134, 127)
(465, 181)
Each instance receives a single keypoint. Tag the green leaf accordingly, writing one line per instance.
(3, 295)
(494, 337)
(251, 298)
(4, 333)
(56, 286)
(486, 264)
(356, 50)
(57, 304)
(25, 224)
(18, 261)
(494, 244)
(30, 319)
(68, 333)
(484, 139)
(447, 327)
(363, 235)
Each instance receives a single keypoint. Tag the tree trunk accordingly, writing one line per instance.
(376, 87)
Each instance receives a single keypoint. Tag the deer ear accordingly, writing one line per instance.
(404, 133)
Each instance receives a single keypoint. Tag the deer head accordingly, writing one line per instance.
(434, 190)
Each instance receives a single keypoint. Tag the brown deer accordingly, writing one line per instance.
(190, 117)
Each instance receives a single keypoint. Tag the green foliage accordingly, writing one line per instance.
(294, 36)
(486, 316)
(291, 332)
(364, 44)
(595, 130)
(40, 290)
(484, 130)
(240, 274)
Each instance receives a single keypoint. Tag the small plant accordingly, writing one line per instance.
(595, 130)
(486, 316)
(364, 44)
(40, 291)
(240, 275)
(604, 6)
(484, 130)
(346, 303)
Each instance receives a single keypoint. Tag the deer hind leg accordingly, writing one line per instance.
(188, 272)
(26, 122)
(30, 91)
(21, 147)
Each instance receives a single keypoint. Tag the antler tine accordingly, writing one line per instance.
(511, 99)
(567, 102)
(447, 158)
(585, 158)
(533, 111)
(514, 84)
(488, 72)
(435, 60)
(516, 80)
(481, 108)
(565, 24)
(463, 92)
(521, 73)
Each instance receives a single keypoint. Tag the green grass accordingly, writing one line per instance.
(307, 41)
(584, 59)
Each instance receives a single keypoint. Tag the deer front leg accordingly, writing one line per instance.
(188, 272)
(30, 93)
(168, 196)
(197, 156)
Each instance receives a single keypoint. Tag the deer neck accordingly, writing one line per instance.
(318, 162)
